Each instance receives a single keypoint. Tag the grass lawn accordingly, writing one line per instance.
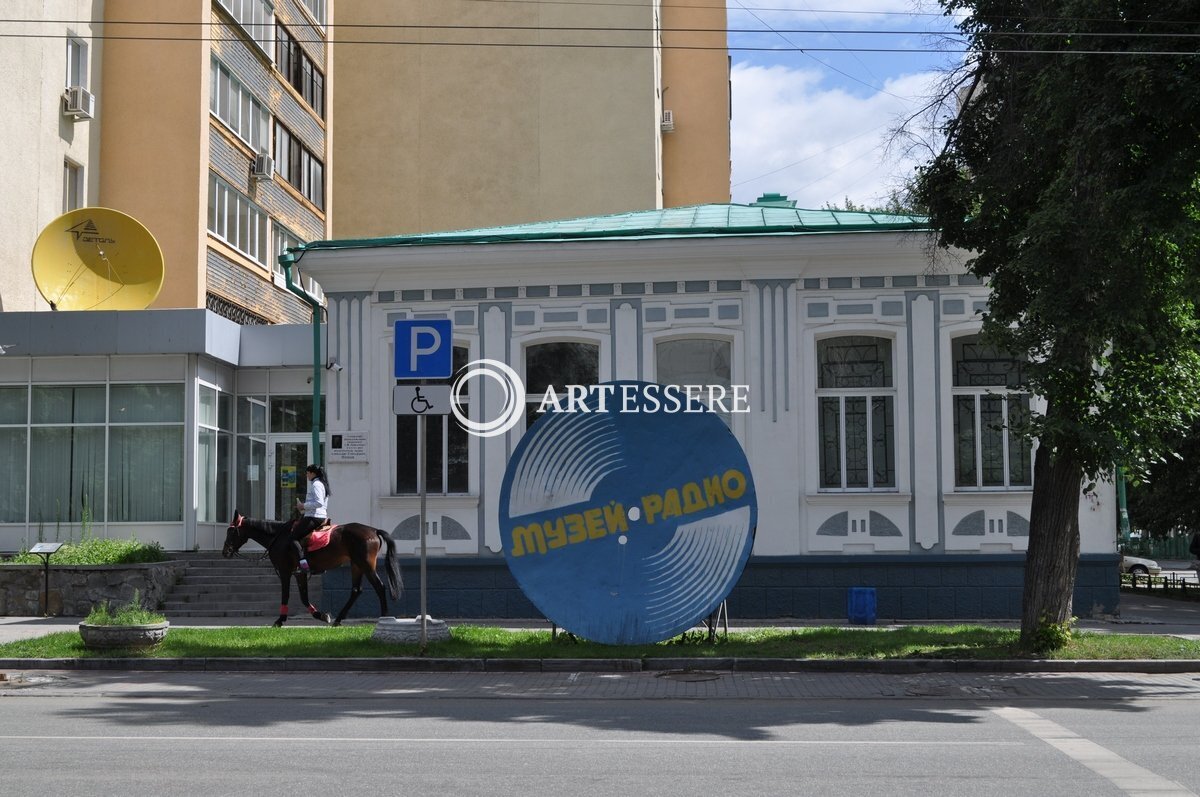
(926, 642)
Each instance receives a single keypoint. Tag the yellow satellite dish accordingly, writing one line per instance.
(97, 259)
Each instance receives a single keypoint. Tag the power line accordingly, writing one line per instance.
(818, 60)
(571, 46)
(767, 29)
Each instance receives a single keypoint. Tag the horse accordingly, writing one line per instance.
(355, 543)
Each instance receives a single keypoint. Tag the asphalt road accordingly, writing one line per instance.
(530, 734)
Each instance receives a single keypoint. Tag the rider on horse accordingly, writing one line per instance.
(316, 510)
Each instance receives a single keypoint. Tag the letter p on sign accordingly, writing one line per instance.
(424, 349)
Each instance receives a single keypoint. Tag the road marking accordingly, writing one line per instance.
(1124, 774)
(449, 740)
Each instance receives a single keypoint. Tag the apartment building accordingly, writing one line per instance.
(206, 120)
(504, 113)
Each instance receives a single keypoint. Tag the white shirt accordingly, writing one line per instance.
(316, 504)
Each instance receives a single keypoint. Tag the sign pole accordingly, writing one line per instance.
(421, 489)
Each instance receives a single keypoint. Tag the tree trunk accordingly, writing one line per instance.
(1053, 555)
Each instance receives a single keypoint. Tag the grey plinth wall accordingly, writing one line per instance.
(908, 588)
(75, 589)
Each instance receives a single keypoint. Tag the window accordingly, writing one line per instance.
(251, 475)
(77, 62)
(696, 361)
(446, 448)
(558, 364)
(297, 164)
(234, 105)
(317, 7)
(282, 239)
(236, 220)
(86, 442)
(14, 433)
(72, 186)
(987, 407)
(285, 239)
(299, 70)
(293, 414)
(214, 449)
(66, 453)
(257, 18)
(856, 413)
(145, 453)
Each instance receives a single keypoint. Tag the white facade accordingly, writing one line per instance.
(773, 299)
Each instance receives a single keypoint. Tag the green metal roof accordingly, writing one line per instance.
(714, 221)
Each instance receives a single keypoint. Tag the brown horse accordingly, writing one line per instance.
(350, 542)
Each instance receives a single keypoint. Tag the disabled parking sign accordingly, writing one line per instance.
(628, 524)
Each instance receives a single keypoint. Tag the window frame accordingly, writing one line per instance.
(521, 353)
(77, 61)
(260, 30)
(869, 395)
(978, 393)
(254, 132)
(74, 191)
(256, 236)
(299, 70)
(298, 166)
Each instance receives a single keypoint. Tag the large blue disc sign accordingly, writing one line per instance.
(630, 523)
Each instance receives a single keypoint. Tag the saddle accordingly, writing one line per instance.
(319, 538)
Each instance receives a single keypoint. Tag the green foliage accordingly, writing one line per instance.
(1050, 636)
(96, 551)
(132, 613)
(899, 202)
(1072, 179)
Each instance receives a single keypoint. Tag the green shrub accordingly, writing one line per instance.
(131, 613)
(1051, 636)
(95, 551)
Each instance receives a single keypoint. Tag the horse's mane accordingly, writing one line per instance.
(270, 527)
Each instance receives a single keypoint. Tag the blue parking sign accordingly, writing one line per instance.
(424, 349)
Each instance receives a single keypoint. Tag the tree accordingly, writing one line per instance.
(1169, 498)
(1070, 176)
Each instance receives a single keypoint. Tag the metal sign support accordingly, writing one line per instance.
(421, 489)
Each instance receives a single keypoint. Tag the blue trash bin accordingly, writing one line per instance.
(860, 605)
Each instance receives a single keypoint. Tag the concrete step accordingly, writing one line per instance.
(169, 613)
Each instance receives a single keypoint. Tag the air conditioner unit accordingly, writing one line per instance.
(668, 121)
(79, 102)
(263, 167)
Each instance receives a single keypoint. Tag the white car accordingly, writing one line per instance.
(1140, 566)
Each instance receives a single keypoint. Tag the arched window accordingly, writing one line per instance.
(987, 407)
(557, 364)
(697, 361)
(856, 409)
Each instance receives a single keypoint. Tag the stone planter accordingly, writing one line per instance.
(103, 637)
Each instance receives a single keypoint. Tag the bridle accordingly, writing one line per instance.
(231, 550)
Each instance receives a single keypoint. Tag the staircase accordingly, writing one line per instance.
(214, 586)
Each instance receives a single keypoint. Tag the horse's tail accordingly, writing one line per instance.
(395, 585)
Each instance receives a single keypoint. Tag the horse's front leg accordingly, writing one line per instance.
(302, 583)
(285, 585)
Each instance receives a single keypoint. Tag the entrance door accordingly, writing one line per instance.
(291, 457)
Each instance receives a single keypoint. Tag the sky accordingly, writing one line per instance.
(815, 125)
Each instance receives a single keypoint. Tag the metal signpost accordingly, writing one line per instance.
(46, 550)
(424, 351)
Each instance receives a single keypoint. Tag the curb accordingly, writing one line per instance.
(654, 665)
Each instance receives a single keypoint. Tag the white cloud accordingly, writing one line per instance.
(822, 143)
